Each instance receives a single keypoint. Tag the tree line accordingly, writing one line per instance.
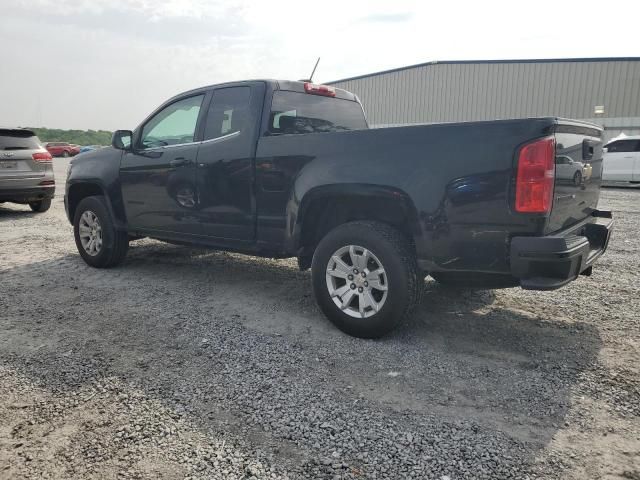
(79, 137)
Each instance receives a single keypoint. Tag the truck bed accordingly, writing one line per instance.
(458, 177)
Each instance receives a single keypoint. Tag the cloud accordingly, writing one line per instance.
(167, 24)
(388, 17)
(108, 63)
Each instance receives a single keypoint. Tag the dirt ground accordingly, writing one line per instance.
(188, 363)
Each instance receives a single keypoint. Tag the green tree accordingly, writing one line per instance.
(79, 137)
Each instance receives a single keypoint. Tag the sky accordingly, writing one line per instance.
(106, 64)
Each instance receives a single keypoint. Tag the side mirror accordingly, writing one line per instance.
(121, 139)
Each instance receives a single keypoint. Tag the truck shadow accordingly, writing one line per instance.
(174, 321)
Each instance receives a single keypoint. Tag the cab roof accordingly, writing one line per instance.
(287, 85)
(298, 86)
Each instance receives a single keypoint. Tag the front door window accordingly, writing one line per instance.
(173, 125)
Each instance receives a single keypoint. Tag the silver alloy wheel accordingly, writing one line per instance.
(90, 233)
(357, 281)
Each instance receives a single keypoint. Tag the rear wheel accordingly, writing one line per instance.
(365, 278)
(41, 206)
(100, 244)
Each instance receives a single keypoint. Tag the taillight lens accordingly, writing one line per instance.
(316, 89)
(42, 157)
(535, 179)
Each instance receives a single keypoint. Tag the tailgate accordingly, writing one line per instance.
(578, 173)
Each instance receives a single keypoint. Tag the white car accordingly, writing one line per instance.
(570, 170)
(621, 162)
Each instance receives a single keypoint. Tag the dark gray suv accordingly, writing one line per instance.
(26, 172)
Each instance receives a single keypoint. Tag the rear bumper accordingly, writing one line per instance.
(26, 195)
(547, 263)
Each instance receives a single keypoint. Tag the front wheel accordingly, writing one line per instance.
(100, 244)
(41, 206)
(365, 278)
(65, 154)
(577, 179)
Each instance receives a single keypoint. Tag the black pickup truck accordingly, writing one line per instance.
(291, 169)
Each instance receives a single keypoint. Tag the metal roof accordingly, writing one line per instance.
(471, 62)
(438, 92)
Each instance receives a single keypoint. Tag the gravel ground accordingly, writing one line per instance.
(187, 363)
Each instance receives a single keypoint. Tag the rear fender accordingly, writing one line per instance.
(324, 207)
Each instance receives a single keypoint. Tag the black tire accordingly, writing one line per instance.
(41, 206)
(399, 261)
(65, 154)
(577, 178)
(115, 243)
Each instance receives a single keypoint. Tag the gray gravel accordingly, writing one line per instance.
(187, 363)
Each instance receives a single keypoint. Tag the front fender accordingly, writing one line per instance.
(100, 169)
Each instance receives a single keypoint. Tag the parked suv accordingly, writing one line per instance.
(26, 173)
(62, 149)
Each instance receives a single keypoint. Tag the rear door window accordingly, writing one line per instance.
(229, 112)
(297, 113)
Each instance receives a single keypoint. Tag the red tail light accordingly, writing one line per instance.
(319, 89)
(42, 157)
(536, 172)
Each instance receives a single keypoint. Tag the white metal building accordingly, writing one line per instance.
(602, 90)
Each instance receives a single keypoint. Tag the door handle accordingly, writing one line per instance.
(179, 162)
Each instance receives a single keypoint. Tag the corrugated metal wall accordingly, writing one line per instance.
(450, 92)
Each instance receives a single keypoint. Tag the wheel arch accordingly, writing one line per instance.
(80, 190)
(323, 208)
